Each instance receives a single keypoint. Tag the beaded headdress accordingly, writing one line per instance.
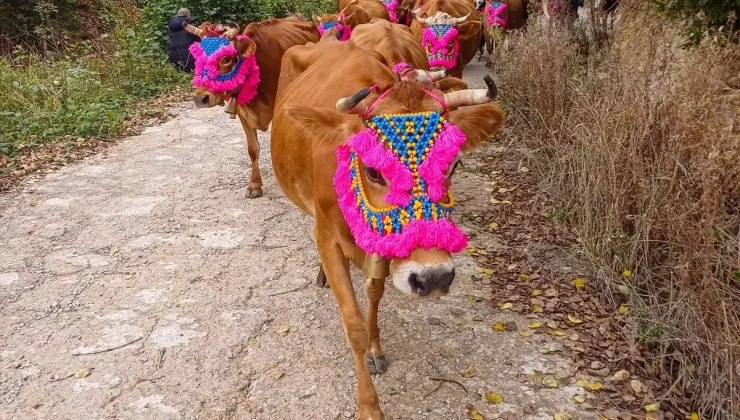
(496, 14)
(441, 44)
(413, 152)
(344, 31)
(244, 76)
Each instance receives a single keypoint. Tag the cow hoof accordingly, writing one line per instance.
(321, 279)
(377, 364)
(373, 413)
(254, 192)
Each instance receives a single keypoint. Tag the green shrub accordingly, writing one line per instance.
(701, 15)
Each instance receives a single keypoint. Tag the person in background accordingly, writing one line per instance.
(180, 41)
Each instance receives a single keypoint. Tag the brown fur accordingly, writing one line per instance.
(470, 31)
(357, 12)
(268, 40)
(306, 131)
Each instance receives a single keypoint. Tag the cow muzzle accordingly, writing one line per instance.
(202, 101)
(424, 275)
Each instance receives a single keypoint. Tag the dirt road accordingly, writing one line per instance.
(142, 284)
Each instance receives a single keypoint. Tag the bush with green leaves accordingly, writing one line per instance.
(701, 15)
(157, 13)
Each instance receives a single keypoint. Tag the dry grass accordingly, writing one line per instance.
(640, 140)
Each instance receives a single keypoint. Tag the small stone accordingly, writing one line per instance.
(434, 321)
(347, 414)
(511, 326)
(17, 365)
(597, 364)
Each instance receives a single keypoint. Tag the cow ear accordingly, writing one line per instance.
(245, 47)
(327, 125)
(478, 123)
(315, 20)
(349, 20)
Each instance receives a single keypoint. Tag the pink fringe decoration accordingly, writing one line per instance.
(247, 76)
(440, 45)
(443, 234)
(493, 15)
(434, 168)
(391, 8)
(374, 154)
(344, 31)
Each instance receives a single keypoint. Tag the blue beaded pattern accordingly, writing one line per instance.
(440, 29)
(212, 44)
(409, 137)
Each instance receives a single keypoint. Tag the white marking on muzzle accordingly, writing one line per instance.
(402, 273)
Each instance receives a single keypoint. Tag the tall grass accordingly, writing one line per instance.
(81, 91)
(640, 140)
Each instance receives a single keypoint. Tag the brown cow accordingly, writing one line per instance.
(355, 12)
(253, 84)
(396, 43)
(448, 37)
(362, 182)
(514, 16)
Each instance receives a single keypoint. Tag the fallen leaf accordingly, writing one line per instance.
(495, 201)
(478, 318)
(493, 226)
(252, 342)
(293, 329)
(637, 386)
(526, 333)
(579, 399)
(505, 306)
(474, 415)
(114, 251)
(550, 382)
(534, 325)
(579, 283)
(525, 277)
(574, 320)
(472, 299)
(562, 416)
(582, 383)
(499, 327)
(650, 408)
(469, 372)
(470, 250)
(536, 308)
(623, 289)
(548, 349)
(283, 329)
(502, 190)
(556, 333)
(535, 292)
(494, 398)
(277, 374)
(488, 271)
(621, 375)
(694, 416)
(595, 386)
(626, 273)
(482, 252)
(37, 202)
(553, 325)
(524, 169)
(83, 373)
(511, 267)
(623, 309)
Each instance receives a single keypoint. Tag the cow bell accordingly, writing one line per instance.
(376, 267)
(231, 107)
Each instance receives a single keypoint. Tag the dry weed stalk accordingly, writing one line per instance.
(641, 140)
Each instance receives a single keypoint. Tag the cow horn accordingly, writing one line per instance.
(200, 33)
(472, 96)
(232, 32)
(438, 75)
(353, 104)
(462, 19)
(417, 18)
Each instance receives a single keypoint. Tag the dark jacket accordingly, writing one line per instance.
(180, 41)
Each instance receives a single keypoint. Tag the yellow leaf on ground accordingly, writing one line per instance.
(471, 299)
(562, 416)
(488, 271)
(623, 289)
(626, 273)
(283, 329)
(574, 320)
(694, 416)
(252, 342)
(526, 333)
(83, 373)
(623, 309)
(621, 375)
(471, 250)
(536, 292)
(511, 267)
(594, 386)
(502, 190)
(499, 327)
(482, 252)
(556, 333)
(650, 408)
(293, 329)
(525, 277)
(474, 415)
(579, 399)
(493, 226)
(494, 398)
(505, 306)
(469, 372)
(579, 283)
(536, 308)
(550, 382)
(534, 325)
(495, 201)
(524, 169)
(114, 251)
(582, 383)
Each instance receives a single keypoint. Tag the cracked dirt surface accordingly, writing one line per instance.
(148, 267)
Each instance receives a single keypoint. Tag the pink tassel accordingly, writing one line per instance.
(440, 45)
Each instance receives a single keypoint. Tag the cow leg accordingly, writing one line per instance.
(355, 327)
(374, 289)
(253, 147)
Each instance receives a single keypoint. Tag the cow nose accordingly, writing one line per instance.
(201, 101)
(431, 282)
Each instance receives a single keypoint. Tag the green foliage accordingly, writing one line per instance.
(157, 13)
(80, 95)
(701, 15)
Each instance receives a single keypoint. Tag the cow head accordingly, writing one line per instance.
(495, 13)
(440, 38)
(399, 10)
(225, 65)
(394, 171)
(337, 25)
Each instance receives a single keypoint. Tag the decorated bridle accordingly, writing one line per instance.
(344, 31)
(440, 38)
(240, 84)
(413, 151)
(496, 14)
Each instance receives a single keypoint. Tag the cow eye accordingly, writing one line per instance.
(374, 176)
(226, 61)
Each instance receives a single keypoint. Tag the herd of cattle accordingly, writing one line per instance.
(369, 117)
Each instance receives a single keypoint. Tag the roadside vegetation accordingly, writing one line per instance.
(637, 136)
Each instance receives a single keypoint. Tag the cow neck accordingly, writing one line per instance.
(413, 152)
(241, 82)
